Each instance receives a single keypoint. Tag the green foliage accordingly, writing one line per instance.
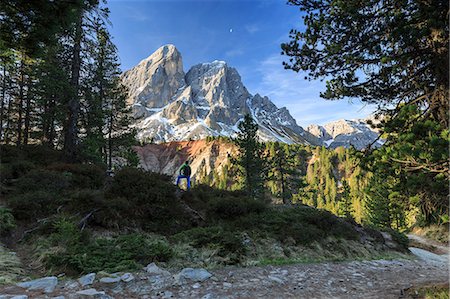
(234, 207)
(286, 168)
(82, 175)
(34, 205)
(228, 243)
(399, 238)
(144, 199)
(379, 71)
(249, 159)
(38, 193)
(121, 253)
(43, 180)
(304, 225)
(7, 222)
(411, 169)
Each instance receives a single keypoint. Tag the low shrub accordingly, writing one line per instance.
(82, 175)
(39, 154)
(146, 200)
(7, 222)
(42, 180)
(122, 253)
(34, 205)
(233, 207)
(302, 224)
(227, 243)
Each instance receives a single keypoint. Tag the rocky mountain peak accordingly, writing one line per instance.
(209, 100)
(155, 80)
(343, 132)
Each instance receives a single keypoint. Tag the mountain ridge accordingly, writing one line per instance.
(209, 100)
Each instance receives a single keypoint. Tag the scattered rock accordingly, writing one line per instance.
(87, 279)
(13, 297)
(227, 285)
(113, 278)
(47, 284)
(93, 293)
(71, 285)
(59, 297)
(167, 294)
(127, 277)
(195, 274)
(196, 286)
(153, 269)
(276, 279)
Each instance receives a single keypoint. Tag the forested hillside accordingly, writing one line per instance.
(60, 83)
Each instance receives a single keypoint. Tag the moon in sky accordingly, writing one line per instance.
(231, 30)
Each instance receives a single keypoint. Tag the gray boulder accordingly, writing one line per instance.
(46, 284)
(87, 279)
(127, 277)
(194, 274)
(92, 293)
(153, 269)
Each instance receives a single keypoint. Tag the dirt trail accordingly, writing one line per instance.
(368, 279)
(430, 245)
(356, 279)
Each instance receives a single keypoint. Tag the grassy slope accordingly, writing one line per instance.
(80, 221)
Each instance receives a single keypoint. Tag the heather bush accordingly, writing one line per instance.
(7, 222)
(145, 200)
(82, 175)
(228, 244)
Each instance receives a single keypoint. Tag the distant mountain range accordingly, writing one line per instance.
(210, 100)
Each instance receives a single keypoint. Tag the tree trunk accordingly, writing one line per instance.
(20, 105)
(2, 107)
(8, 122)
(110, 139)
(73, 107)
(27, 118)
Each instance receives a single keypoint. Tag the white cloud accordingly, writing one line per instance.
(252, 28)
(234, 53)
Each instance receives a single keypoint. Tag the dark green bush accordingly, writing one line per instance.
(15, 169)
(38, 154)
(146, 200)
(303, 224)
(229, 244)
(141, 186)
(123, 253)
(233, 207)
(7, 222)
(34, 205)
(42, 180)
(82, 175)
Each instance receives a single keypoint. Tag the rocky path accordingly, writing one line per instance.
(356, 279)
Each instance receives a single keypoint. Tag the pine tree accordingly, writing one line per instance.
(249, 159)
(345, 203)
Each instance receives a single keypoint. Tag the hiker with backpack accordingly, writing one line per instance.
(185, 173)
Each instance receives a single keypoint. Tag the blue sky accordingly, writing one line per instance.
(245, 33)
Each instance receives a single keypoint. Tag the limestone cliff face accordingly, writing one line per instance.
(155, 80)
(209, 100)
